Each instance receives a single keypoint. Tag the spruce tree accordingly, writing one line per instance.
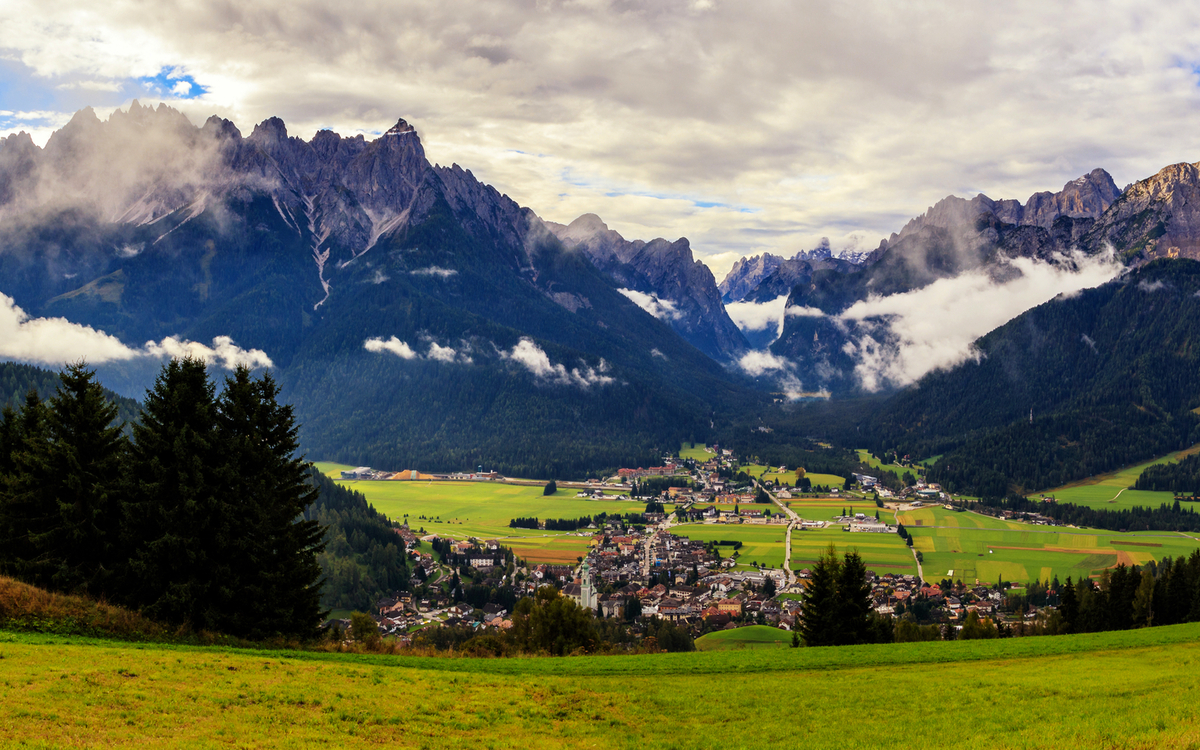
(179, 517)
(819, 623)
(275, 548)
(25, 514)
(854, 601)
(84, 463)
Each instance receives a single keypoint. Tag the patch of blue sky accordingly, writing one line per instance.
(173, 83)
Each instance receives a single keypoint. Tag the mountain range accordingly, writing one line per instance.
(417, 317)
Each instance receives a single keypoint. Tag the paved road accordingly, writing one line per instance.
(794, 519)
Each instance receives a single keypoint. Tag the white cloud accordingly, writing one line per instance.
(761, 362)
(656, 353)
(434, 271)
(437, 352)
(441, 353)
(800, 311)
(55, 341)
(393, 345)
(1151, 286)
(758, 316)
(534, 359)
(663, 309)
(223, 352)
(901, 337)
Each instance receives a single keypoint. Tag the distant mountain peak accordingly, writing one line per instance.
(400, 128)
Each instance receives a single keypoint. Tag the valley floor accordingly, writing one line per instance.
(1120, 690)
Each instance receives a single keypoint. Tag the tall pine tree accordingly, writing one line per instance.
(179, 512)
(275, 548)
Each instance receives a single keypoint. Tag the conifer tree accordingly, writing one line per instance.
(275, 549)
(854, 601)
(24, 514)
(819, 624)
(179, 519)
(81, 473)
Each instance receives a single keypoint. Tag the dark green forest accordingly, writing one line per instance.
(1182, 477)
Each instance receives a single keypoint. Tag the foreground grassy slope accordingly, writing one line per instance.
(1121, 690)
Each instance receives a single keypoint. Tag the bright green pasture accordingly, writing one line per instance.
(483, 510)
(865, 457)
(695, 451)
(828, 508)
(961, 542)
(331, 469)
(768, 473)
(882, 553)
(751, 636)
(1111, 491)
(1131, 689)
(762, 544)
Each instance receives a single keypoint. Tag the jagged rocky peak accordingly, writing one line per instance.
(400, 128)
(1084, 197)
(668, 271)
(746, 274)
(1158, 217)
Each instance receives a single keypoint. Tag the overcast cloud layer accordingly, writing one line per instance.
(744, 126)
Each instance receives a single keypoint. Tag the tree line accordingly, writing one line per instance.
(1181, 478)
(837, 604)
(192, 516)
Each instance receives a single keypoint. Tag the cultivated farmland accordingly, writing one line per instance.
(1130, 689)
(882, 553)
(954, 544)
(761, 544)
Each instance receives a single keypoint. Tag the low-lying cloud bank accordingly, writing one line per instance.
(663, 309)
(758, 316)
(904, 336)
(897, 339)
(401, 349)
(533, 358)
(56, 341)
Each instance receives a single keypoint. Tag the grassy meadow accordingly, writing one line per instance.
(958, 542)
(761, 544)
(882, 553)
(1111, 491)
(751, 636)
(483, 510)
(865, 457)
(695, 451)
(1128, 689)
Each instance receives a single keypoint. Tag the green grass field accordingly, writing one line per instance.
(767, 473)
(749, 637)
(1110, 491)
(993, 548)
(866, 457)
(695, 451)
(1128, 689)
(483, 510)
(761, 544)
(882, 553)
(828, 508)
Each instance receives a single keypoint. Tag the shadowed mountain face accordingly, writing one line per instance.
(954, 237)
(667, 280)
(416, 317)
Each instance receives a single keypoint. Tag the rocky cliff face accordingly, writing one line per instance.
(413, 315)
(746, 274)
(1158, 217)
(1085, 197)
(682, 290)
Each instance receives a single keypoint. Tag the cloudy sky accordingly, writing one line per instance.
(746, 127)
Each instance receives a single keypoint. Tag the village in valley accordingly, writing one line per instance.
(688, 551)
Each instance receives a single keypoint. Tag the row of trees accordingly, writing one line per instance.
(193, 519)
(1182, 477)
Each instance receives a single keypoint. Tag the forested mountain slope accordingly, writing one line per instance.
(413, 315)
(1111, 377)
